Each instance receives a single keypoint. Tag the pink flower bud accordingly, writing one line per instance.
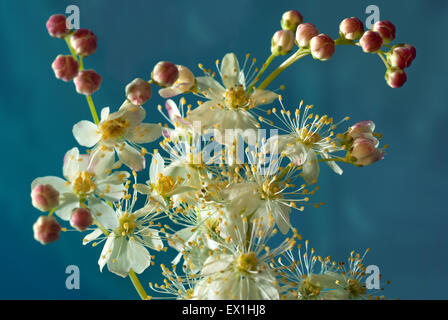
(186, 80)
(362, 148)
(359, 128)
(386, 29)
(84, 42)
(44, 197)
(282, 42)
(304, 33)
(377, 155)
(138, 91)
(402, 56)
(57, 26)
(322, 47)
(65, 67)
(395, 77)
(165, 73)
(371, 41)
(46, 229)
(291, 19)
(87, 82)
(81, 219)
(351, 28)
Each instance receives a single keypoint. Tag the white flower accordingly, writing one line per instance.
(229, 105)
(306, 140)
(160, 186)
(119, 131)
(125, 246)
(87, 181)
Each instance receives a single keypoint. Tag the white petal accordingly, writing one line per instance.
(86, 133)
(169, 92)
(310, 168)
(152, 239)
(131, 157)
(138, 255)
(157, 166)
(230, 70)
(210, 88)
(172, 109)
(103, 213)
(207, 114)
(260, 97)
(69, 202)
(58, 183)
(142, 188)
(92, 236)
(135, 115)
(110, 192)
(71, 164)
(145, 133)
(213, 265)
(101, 161)
(119, 262)
(107, 250)
(105, 113)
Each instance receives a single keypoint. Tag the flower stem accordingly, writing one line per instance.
(67, 40)
(296, 56)
(92, 110)
(260, 73)
(138, 286)
(384, 60)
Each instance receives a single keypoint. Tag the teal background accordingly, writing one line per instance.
(396, 207)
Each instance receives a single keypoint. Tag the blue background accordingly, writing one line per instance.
(396, 207)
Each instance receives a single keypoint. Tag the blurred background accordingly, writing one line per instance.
(396, 207)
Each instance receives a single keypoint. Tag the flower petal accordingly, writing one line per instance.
(118, 261)
(92, 236)
(260, 97)
(310, 168)
(157, 166)
(102, 212)
(230, 70)
(68, 202)
(138, 255)
(210, 88)
(86, 133)
(145, 133)
(58, 183)
(101, 160)
(131, 157)
(107, 250)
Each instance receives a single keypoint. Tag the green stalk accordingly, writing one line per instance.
(138, 286)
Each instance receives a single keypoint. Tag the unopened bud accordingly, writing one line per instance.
(371, 41)
(386, 29)
(57, 26)
(81, 219)
(322, 47)
(65, 67)
(360, 128)
(282, 42)
(351, 28)
(377, 155)
(138, 91)
(87, 82)
(84, 42)
(185, 80)
(395, 77)
(291, 19)
(44, 197)
(362, 148)
(304, 33)
(165, 73)
(46, 229)
(401, 56)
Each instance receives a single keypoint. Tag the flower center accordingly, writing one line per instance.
(308, 137)
(235, 97)
(127, 224)
(308, 290)
(247, 262)
(270, 190)
(83, 183)
(164, 184)
(113, 129)
(356, 288)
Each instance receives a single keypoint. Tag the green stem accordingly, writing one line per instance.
(67, 40)
(138, 286)
(263, 69)
(384, 60)
(296, 56)
(51, 212)
(92, 110)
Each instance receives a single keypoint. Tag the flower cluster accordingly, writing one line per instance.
(220, 206)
